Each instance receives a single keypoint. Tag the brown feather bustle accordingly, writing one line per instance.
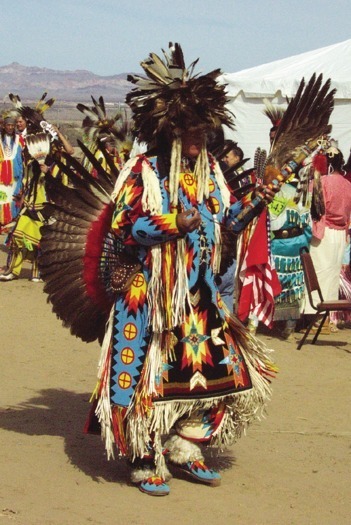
(76, 269)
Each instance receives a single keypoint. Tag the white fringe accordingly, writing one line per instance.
(174, 172)
(103, 409)
(222, 185)
(241, 408)
(155, 291)
(181, 294)
(217, 252)
(122, 177)
(153, 364)
(152, 198)
(202, 175)
(160, 462)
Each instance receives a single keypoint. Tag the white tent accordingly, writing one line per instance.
(280, 79)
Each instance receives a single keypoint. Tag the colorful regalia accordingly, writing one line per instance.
(136, 269)
(26, 235)
(11, 174)
(296, 137)
(105, 133)
(39, 152)
(173, 351)
(291, 230)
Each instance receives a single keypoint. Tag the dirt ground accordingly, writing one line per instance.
(292, 468)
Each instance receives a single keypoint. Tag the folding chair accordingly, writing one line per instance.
(312, 285)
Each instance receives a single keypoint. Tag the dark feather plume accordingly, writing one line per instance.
(304, 121)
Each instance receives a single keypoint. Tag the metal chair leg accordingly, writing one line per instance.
(319, 327)
(308, 329)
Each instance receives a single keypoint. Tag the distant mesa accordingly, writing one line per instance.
(29, 82)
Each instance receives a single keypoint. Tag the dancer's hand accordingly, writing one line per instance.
(268, 191)
(188, 221)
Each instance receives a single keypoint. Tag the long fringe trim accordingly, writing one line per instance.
(146, 425)
(240, 408)
(216, 259)
(102, 391)
(123, 175)
(181, 293)
(155, 291)
(152, 198)
(222, 185)
(202, 175)
(174, 172)
(157, 288)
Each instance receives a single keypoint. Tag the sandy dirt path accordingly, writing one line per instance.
(291, 468)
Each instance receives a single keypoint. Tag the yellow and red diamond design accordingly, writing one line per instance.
(136, 296)
(189, 186)
(234, 361)
(196, 351)
(164, 223)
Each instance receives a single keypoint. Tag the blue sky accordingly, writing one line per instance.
(109, 37)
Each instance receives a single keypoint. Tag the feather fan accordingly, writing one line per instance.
(78, 250)
(38, 146)
(305, 120)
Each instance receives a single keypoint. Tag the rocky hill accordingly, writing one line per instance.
(76, 86)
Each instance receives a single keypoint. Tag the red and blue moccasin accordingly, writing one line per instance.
(154, 486)
(200, 472)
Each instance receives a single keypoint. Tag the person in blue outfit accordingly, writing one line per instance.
(174, 361)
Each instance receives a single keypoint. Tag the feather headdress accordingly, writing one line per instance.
(172, 99)
(97, 123)
(33, 116)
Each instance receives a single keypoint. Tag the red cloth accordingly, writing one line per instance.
(6, 173)
(260, 283)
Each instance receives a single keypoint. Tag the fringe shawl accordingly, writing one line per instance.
(241, 409)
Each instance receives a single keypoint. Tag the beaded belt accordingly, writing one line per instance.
(288, 233)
